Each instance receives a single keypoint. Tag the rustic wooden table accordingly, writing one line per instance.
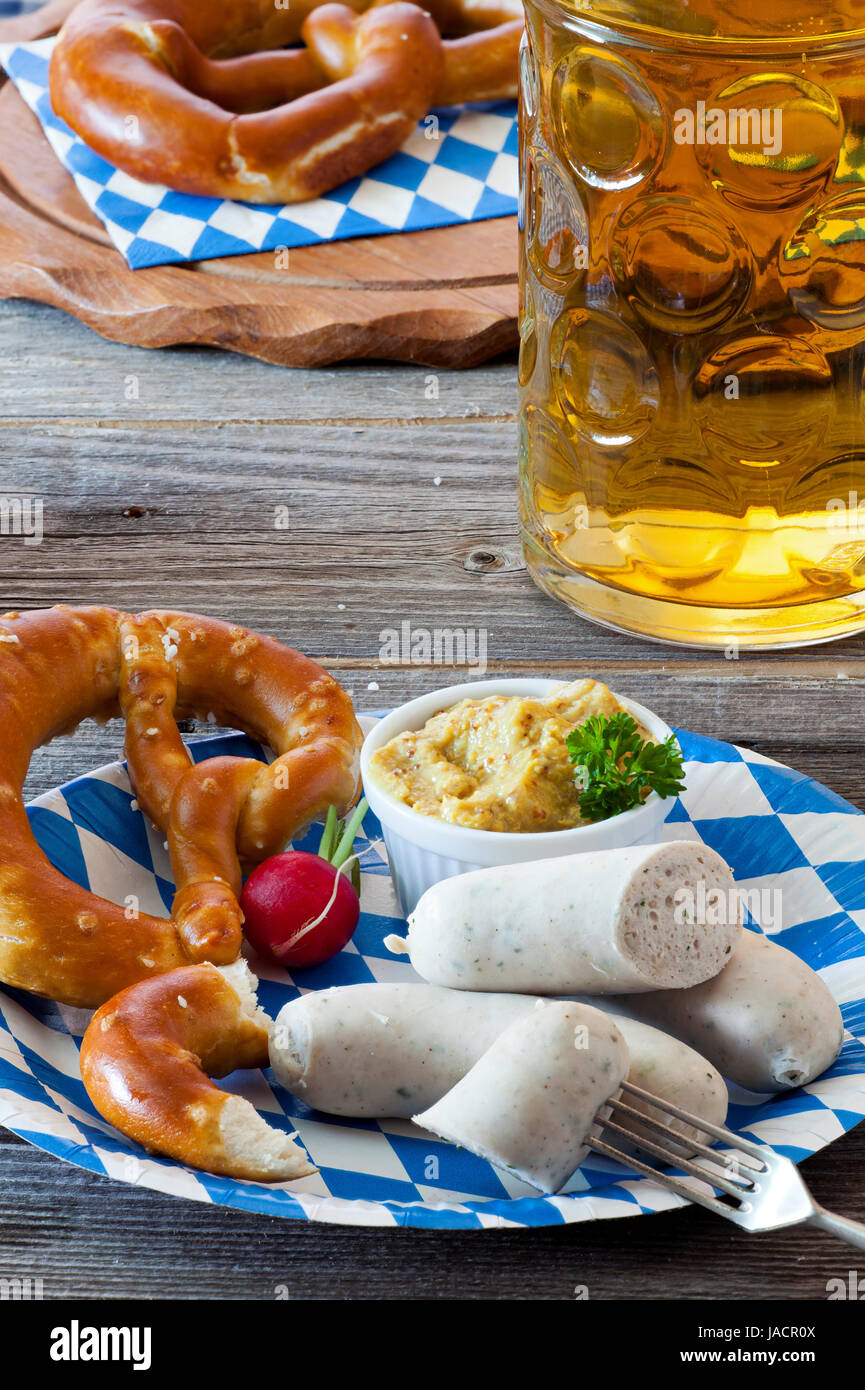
(160, 474)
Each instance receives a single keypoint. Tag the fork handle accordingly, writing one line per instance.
(841, 1226)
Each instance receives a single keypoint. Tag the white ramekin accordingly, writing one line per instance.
(423, 850)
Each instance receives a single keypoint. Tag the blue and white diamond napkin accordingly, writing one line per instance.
(460, 166)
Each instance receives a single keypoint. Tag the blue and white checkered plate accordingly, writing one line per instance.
(777, 828)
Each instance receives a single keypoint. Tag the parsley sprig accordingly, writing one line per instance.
(617, 768)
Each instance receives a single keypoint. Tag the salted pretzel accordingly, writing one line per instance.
(177, 92)
(147, 1057)
(207, 99)
(481, 65)
(481, 48)
(62, 665)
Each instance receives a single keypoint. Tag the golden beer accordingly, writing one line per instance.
(692, 362)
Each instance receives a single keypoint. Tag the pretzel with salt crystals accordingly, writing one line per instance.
(188, 94)
(146, 1059)
(479, 65)
(481, 48)
(60, 666)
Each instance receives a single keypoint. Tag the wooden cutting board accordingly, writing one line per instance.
(446, 297)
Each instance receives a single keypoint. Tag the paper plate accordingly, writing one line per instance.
(777, 828)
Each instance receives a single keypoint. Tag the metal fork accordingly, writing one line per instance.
(762, 1190)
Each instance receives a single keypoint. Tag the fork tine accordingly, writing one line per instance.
(717, 1131)
(693, 1169)
(693, 1145)
(674, 1184)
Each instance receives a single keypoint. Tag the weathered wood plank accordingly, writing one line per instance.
(369, 527)
(87, 1237)
(815, 728)
(53, 368)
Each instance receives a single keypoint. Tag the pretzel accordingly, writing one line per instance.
(174, 92)
(146, 1060)
(478, 66)
(60, 666)
(481, 66)
(481, 48)
(471, 16)
(206, 99)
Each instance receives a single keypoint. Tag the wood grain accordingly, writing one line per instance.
(71, 375)
(87, 1237)
(207, 450)
(445, 296)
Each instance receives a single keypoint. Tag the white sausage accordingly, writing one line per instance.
(668, 1069)
(617, 920)
(533, 1099)
(382, 1050)
(768, 1022)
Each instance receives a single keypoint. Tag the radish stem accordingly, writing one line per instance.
(328, 837)
(346, 844)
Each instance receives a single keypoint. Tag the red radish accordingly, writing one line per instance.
(300, 909)
(284, 895)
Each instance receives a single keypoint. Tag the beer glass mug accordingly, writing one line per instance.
(692, 318)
